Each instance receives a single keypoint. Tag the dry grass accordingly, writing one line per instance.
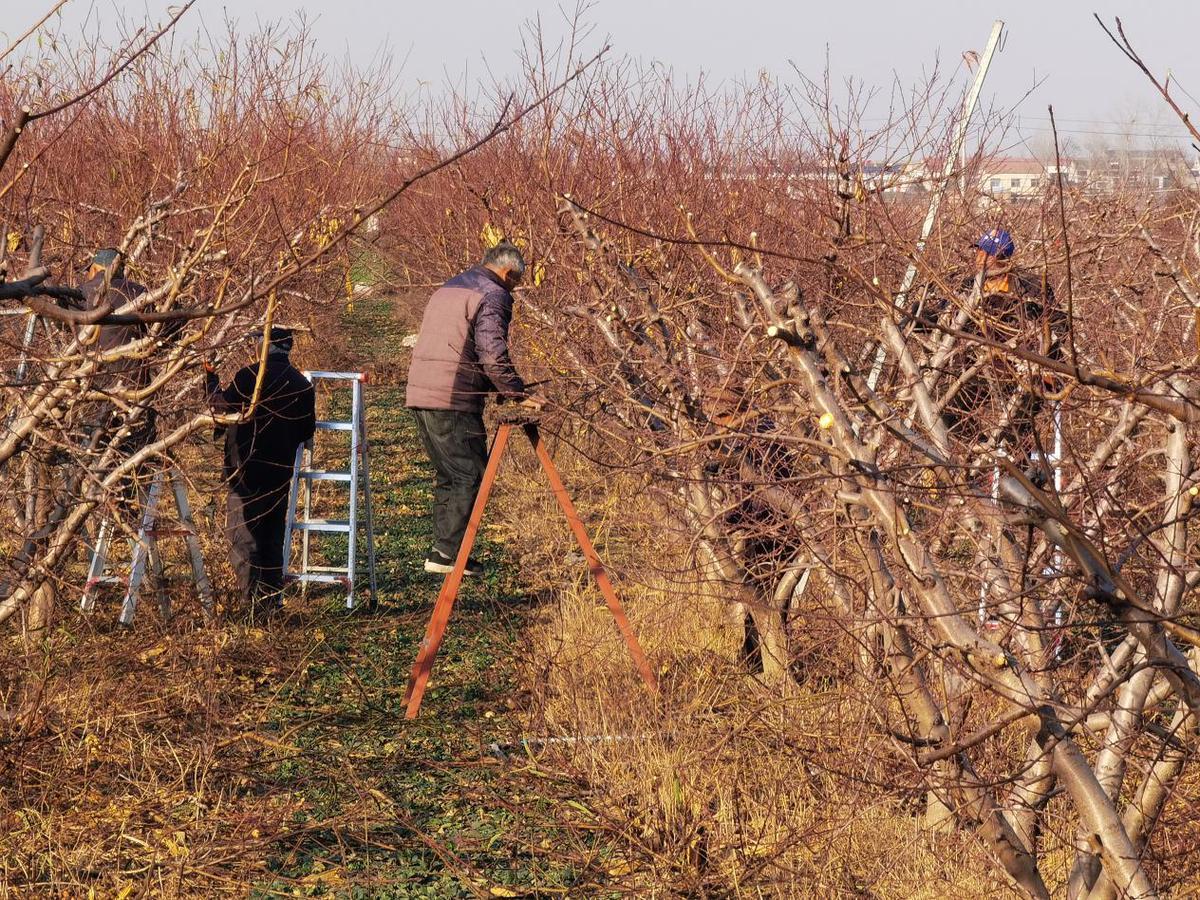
(721, 786)
(147, 762)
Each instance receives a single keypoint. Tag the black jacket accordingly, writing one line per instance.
(259, 453)
(130, 373)
(1014, 304)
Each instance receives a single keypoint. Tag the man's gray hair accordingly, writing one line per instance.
(110, 258)
(505, 255)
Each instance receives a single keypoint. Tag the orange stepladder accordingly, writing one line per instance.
(436, 630)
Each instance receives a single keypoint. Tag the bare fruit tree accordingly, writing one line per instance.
(996, 535)
(233, 186)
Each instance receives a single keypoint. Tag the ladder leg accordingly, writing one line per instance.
(355, 445)
(366, 475)
(432, 642)
(293, 494)
(158, 569)
(96, 569)
(199, 574)
(593, 559)
(23, 364)
(142, 549)
(304, 536)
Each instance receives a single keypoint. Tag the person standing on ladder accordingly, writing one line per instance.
(259, 455)
(105, 282)
(461, 356)
(1016, 306)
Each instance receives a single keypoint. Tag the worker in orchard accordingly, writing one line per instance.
(1012, 298)
(461, 356)
(1015, 299)
(1014, 306)
(260, 453)
(105, 282)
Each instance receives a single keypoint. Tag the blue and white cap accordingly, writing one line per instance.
(997, 243)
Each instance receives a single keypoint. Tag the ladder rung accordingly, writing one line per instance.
(340, 569)
(104, 579)
(337, 376)
(338, 525)
(336, 426)
(325, 475)
(319, 578)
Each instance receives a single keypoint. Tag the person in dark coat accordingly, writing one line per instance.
(1016, 306)
(105, 283)
(460, 357)
(260, 454)
(108, 267)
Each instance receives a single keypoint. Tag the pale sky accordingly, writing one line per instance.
(1093, 88)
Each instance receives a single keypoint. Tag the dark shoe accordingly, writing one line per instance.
(438, 564)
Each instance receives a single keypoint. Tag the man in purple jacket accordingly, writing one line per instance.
(461, 356)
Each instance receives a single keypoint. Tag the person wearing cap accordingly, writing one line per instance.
(105, 281)
(995, 263)
(1001, 285)
(1016, 306)
(107, 263)
(460, 357)
(260, 453)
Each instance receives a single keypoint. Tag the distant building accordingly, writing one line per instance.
(1005, 178)
(911, 176)
(1155, 171)
(1013, 178)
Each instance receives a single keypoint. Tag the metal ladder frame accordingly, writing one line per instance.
(358, 475)
(26, 344)
(146, 552)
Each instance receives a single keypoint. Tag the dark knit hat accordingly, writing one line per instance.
(281, 339)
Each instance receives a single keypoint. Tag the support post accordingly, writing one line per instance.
(956, 145)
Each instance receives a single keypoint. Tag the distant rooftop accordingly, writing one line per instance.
(1015, 165)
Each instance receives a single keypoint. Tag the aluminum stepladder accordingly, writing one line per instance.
(26, 344)
(356, 477)
(146, 551)
(423, 665)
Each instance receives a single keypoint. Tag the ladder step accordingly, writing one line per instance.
(343, 570)
(336, 426)
(318, 578)
(325, 475)
(337, 376)
(333, 525)
(104, 579)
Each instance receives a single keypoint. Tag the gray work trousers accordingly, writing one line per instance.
(456, 443)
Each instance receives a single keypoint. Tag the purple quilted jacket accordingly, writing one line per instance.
(462, 350)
